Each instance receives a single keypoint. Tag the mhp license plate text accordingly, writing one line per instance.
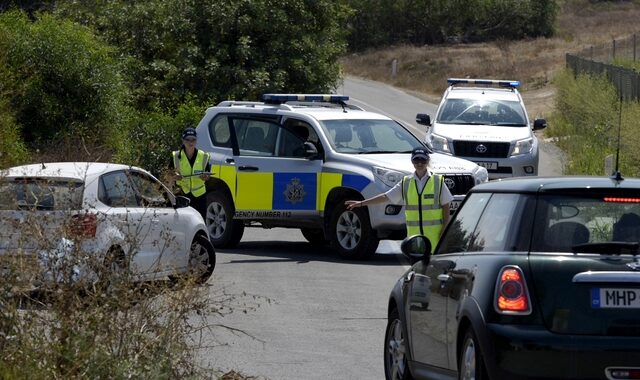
(615, 298)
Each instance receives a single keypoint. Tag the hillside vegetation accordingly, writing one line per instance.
(534, 61)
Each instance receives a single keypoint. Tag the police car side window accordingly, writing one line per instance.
(255, 137)
(220, 132)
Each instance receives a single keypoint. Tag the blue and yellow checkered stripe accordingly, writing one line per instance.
(288, 191)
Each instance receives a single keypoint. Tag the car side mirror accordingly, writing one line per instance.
(539, 124)
(416, 248)
(423, 119)
(310, 150)
(182, 201)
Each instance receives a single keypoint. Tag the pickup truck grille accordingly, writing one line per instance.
(459, 184)
(481, 149)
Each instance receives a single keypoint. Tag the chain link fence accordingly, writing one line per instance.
(601, 60)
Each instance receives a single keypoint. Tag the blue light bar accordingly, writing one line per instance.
(282, 98)
(484, 82)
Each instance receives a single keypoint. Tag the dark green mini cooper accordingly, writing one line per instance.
(534, 278)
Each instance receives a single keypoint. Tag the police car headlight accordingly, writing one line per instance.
(523, 147)
(387, 176)
(482, 175)
(439, 143)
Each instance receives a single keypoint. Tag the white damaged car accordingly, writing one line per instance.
(82, 221)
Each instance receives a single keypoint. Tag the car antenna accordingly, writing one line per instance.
(43, 167)
(344, 105)
(616, 174)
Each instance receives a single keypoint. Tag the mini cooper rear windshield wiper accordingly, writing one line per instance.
(608, 248)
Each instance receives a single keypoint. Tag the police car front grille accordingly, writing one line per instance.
(459, 184)
(481, 149)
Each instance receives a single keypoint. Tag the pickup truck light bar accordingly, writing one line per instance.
(484, 82)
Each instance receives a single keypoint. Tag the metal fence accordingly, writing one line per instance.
(601, 60)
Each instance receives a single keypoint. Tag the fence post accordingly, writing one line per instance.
(591, 49)
(634, 47)
(394, 67)
(614, 50)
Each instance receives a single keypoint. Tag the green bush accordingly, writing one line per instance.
(65, 83)
(154, 135)
(586, 124)
(386, 22)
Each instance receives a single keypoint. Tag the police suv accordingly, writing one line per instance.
(292, 161)
(485, 121)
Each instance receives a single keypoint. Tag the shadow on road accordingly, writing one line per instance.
(303, 252)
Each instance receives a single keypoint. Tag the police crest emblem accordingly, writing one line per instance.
(294, 192)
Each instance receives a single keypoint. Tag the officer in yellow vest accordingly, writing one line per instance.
(425, 196)
(191, 170)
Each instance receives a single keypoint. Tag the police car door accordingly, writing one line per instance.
(275, 181)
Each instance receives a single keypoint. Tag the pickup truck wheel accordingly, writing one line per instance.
(314, 236)
(224, 231)
(351, 233)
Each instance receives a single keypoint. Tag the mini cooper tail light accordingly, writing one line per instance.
(511, 294)
(622, 373)
(84, 225)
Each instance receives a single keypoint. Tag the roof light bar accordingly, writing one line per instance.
(282, 98)
(484, 82)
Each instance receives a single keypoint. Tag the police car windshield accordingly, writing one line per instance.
(482, 112)
(369, 136)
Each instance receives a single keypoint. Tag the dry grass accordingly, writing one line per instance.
(423, 70)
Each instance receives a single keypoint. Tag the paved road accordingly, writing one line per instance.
(318, 317)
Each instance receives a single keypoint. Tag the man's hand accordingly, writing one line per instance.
(352, 204)
(205, 176)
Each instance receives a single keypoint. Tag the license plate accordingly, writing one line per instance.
(610, 298)
(488, 165)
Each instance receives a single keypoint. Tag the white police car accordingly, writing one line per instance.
(292, 161)
(485, 121)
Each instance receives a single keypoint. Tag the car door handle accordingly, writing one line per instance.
(248, 168)
(229, 160)
(444, 277)
(154, 220)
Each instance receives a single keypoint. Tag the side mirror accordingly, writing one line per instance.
(182, 201)
(424, 119)
(310, 150)
(539, 124)
(416, 248)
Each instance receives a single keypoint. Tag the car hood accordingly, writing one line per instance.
(440, 163)
(482, 132)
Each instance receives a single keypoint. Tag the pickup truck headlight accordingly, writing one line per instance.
(523, 147)
(387, 176)
(439, 143)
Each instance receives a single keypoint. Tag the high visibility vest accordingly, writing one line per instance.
(191, 181)
(423, 212)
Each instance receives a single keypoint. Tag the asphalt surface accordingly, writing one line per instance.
(297, 311)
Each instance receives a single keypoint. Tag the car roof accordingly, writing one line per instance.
(551, 184)
(482, 92)
(69, 170)
(318, 112)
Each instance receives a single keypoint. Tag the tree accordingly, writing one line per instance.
(226, 49)
(60, 80)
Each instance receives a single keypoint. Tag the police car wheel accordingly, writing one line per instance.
(314, 236)
(224, 231)
(351, 233)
